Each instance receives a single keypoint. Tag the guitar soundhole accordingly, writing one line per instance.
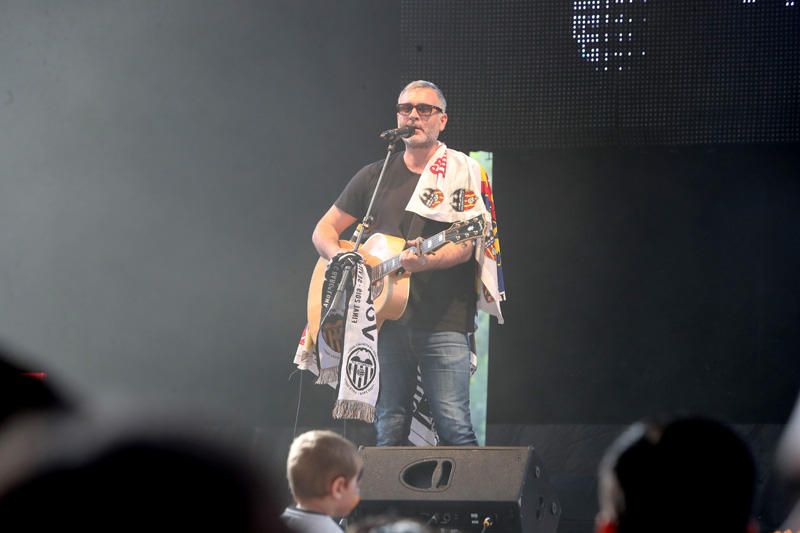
(377, 288)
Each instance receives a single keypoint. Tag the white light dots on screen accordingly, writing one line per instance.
(606, 31)
(787, 3)
(522, 73)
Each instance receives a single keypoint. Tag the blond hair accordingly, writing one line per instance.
(316, 458)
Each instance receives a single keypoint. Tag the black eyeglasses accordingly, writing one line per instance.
(424, 110)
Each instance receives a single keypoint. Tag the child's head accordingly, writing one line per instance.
(323, 466)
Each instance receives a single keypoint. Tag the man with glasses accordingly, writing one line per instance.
(433, 332)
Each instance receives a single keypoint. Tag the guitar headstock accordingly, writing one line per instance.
(466, 230)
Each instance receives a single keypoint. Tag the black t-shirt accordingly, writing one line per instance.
(440, 300)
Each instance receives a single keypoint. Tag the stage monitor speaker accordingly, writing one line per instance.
(459, 488)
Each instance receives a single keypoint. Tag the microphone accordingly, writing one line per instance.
(398, 133)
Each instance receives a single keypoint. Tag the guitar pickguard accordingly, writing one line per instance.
(377, 288)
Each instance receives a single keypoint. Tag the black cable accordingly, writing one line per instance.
(299, 400)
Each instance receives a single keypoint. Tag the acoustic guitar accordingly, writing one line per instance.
(382, 256)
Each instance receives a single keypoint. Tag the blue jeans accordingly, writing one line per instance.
(443, 358)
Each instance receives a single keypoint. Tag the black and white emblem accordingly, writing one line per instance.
(360, 367)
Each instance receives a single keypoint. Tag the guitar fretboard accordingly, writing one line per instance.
(393, 264)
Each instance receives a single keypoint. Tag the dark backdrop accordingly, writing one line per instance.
(544, 73)
(162, 165)
(645, 281)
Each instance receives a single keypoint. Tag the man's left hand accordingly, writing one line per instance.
(412, 260)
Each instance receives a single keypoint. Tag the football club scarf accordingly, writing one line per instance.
(330, 339)
(359, 373)
(347, 339)
(453, 187)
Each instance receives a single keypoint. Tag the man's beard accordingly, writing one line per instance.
(427, 143)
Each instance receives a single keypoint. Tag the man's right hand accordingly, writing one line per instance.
(348, 258)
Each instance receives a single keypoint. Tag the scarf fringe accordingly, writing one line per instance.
(305, 359)
(354, 410)
(328, 376)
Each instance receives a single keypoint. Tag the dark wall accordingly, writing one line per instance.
(162, 165)
(544, 73)
(647, 280)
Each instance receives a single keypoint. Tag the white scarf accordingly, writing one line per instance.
(450, 190)
(347, 340)
(359, 374)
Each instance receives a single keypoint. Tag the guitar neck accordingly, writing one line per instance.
(392, 265)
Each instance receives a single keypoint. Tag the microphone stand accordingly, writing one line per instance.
(365, 222)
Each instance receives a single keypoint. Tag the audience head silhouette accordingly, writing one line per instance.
(692, 474)
(84, 477)
(24, 391)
